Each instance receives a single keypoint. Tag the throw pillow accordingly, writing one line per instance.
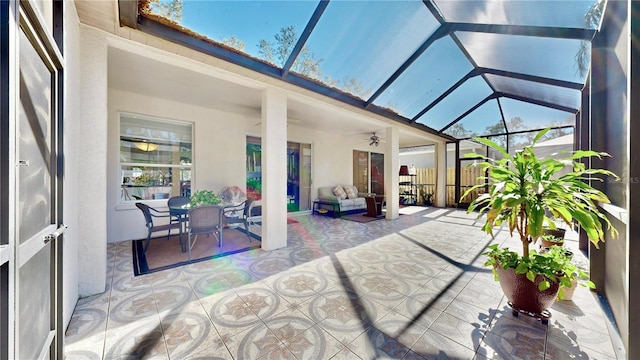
(352, 191)
(339, 192)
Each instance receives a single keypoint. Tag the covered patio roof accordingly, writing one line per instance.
(452, 68)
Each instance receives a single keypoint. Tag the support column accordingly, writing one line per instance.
(391, 171)
(92, 154)
(274, 169)
(441, 175)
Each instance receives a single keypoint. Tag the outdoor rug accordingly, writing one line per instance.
(361, 217)
(165, 254)
(289, 221)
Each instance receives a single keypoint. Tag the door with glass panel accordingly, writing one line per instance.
(31, 220)
(298, 173)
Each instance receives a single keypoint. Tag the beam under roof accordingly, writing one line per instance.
(524, 30)
(510, 74)
(482, 102)
(538, 102)
(439, 33)
(322, 6)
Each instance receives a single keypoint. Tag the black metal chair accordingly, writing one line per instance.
(175, 202)
(205, 219)
(239, 214)
(151, 213)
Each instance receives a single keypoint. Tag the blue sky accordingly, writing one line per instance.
(367, 41)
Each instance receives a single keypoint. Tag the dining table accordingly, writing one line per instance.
(181, 213)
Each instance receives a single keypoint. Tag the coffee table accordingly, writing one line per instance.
(319, 205)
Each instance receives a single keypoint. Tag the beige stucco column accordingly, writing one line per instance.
(441, 177)
(274, 169)
(391, 166)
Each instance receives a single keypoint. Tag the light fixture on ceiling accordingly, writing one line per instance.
(146, 146)
(374, 140)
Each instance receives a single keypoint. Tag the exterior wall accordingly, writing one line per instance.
(92, 160)
(71, 151)
(219, 154)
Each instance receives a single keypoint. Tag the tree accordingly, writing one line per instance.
(234, 43)
(591, 21)
(497, 128)
(278, 52)
(170, 9)
(306, 63)
(458, 131)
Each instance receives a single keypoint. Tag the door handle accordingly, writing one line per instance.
(54, 235)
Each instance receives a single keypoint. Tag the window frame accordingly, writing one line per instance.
(158, 122)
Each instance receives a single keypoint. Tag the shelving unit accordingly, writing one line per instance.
(408, 189)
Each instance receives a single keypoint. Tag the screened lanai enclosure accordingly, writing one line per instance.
(458, 69)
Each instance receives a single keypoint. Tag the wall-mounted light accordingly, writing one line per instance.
(146, 146)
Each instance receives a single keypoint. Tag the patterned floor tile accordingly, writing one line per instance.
(188, 333)
(432, 345)
(141, 340)
(412, 288)
(231, 315)
(460, 331)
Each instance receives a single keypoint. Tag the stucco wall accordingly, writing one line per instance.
(71, 134)
(219, 154)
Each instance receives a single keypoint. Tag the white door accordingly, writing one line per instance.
(31, 189)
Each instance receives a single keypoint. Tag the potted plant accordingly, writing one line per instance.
(573, 274)
(204, 197)
(527, 192)
(549, 240)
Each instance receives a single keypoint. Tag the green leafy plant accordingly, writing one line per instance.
(525, 188)
(555, 264)
(552, 239)
(204, 197)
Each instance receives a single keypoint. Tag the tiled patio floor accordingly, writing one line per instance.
(410, 288)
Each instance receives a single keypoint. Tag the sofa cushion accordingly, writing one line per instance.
(360, 202)
(351, 191)
(339, 192)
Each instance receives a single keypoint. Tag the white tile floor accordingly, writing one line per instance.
(411, 288)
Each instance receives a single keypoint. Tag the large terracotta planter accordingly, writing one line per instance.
(523, 294)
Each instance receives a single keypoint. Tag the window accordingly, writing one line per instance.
(155, 158)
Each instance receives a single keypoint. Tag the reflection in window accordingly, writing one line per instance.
(155, 158)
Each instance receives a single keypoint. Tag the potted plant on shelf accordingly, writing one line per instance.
(526, 193)
(204, 197)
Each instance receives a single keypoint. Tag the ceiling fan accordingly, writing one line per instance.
(374, 140)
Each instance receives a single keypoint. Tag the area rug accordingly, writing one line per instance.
(361, 217)
(165, 254)
(289, 221)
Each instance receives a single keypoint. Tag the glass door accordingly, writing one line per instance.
(31, 246)
(298, 173)
(361, 170)
(377, 173)
(368, 172)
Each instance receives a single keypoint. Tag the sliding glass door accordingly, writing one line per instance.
(368, 172)
(298, 173)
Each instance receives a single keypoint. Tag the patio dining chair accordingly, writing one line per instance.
(239, 214)
(152, 213)
(175, 202)
(207, 220)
